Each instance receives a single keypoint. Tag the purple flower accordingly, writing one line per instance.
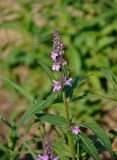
(57, 86)
(56, 67)
(54, 55)
(42, 157)
(59, 62)
(75, 130)
(68, 82)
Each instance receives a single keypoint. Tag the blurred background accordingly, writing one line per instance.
(89, 32)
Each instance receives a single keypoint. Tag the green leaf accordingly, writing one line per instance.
(18, 88)
(101, 135)
(46, 69)
(53, 119)
(88, 146)
(38, 106)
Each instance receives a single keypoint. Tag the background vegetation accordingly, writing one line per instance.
(89, 31)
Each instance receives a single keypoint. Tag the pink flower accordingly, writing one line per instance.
(57, 86)
(54, 55)
(75, 130)
(68, 82)
(56, 67)
(42, 157)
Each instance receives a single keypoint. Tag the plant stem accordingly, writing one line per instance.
(77, 151)
(71, 145)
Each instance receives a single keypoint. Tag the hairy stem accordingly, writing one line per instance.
(71, 145)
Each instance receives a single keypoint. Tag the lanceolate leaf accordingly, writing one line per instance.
(46, 69)
(88, 146)
(38, 106)
(101, 135)
(53, 119)
(19, 89)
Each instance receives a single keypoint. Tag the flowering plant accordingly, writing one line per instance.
(73, 142)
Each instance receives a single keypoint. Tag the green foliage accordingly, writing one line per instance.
(89, 32)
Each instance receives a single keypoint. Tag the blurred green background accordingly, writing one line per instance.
(89, 32)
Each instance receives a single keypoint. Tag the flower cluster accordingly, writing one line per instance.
(57, 54)
(75, 130)
(59, 62)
